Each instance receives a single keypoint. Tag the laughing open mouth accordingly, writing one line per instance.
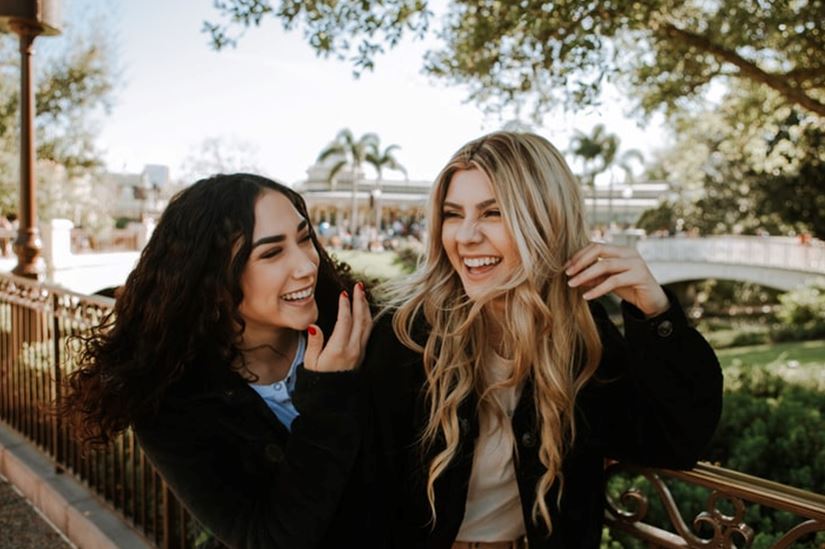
(299, 295)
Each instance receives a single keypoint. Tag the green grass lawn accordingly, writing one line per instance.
(799, 362)
(370, 264)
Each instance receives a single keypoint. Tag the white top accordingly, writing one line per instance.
(493, 509)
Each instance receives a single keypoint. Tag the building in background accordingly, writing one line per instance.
(385, 202)
(144, 194)
(381, 203)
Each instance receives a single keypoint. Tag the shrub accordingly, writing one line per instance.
(802, 312)
(408, 255)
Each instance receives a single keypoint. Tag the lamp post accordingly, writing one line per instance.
(28, 19)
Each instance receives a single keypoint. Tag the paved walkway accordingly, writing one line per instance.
(21, 527)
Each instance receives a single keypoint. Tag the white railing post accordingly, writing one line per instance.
(57, 243)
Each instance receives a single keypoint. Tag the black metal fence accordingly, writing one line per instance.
(36, 321)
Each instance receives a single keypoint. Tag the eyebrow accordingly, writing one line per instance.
(278, 237)
(480, 205)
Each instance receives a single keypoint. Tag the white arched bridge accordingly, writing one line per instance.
(776, 262)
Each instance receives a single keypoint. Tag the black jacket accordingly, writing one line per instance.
(244, 475)
(655, 400)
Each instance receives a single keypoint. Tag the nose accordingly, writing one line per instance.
(303, 265)
(468, 232)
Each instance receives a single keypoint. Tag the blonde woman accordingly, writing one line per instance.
(510, 385)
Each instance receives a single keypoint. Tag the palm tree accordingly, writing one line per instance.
(598, 153)
(347, 152)
(379, 161)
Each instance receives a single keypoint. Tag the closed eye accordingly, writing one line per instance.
(492, 213)
(448, 214)
(272, 252)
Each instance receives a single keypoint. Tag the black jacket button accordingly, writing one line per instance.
(528, 439)
(665, 328)
(274, 453)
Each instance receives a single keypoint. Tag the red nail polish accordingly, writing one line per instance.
(312, 331)
(360, 285)
(345, 294)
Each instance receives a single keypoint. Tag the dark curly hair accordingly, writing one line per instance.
(178, 311)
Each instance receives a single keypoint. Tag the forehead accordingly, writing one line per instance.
(274, 214)
(469, 187)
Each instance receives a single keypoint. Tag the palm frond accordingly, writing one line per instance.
(333, 149)
(337, 167)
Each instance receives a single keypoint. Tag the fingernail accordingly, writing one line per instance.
(360, 285)
(312, 331)
(572, 283)
(587, 296)
(345, 294)
(568, 272)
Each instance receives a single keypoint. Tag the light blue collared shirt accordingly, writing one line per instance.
(278, 395)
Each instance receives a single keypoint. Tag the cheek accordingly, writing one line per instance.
(507, 247)
(447, 237)
(313, 256)
(448, 243)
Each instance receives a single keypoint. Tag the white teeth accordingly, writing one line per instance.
(297, 296)
(481, 261)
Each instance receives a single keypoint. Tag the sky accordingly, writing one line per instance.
(273, 95)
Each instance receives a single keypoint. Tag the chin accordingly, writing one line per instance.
(302, 322)
(473, 293)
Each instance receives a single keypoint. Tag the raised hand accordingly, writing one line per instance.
(601, 269)
(346, 345)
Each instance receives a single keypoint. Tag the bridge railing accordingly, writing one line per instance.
(777, 252)
(36, 321)
(731, 499)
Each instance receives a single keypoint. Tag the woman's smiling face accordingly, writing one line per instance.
(278, 281)
(474, 235)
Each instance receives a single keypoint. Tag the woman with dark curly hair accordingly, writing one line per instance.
(215, 355)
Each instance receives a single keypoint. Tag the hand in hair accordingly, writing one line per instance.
(346, 345)
(601, 269)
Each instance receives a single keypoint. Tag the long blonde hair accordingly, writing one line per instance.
(547, 327)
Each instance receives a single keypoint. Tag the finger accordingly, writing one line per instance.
(600, 268)
(366, 323)
(595, 251)
(569, 267)
(593, 282)
(609, 285)
(359, 311)
(315, 342)
(343, 324)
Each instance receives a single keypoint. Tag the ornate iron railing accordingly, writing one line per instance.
(723, 522)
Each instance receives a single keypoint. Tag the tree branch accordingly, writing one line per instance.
(747, 69)
(805, 74)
